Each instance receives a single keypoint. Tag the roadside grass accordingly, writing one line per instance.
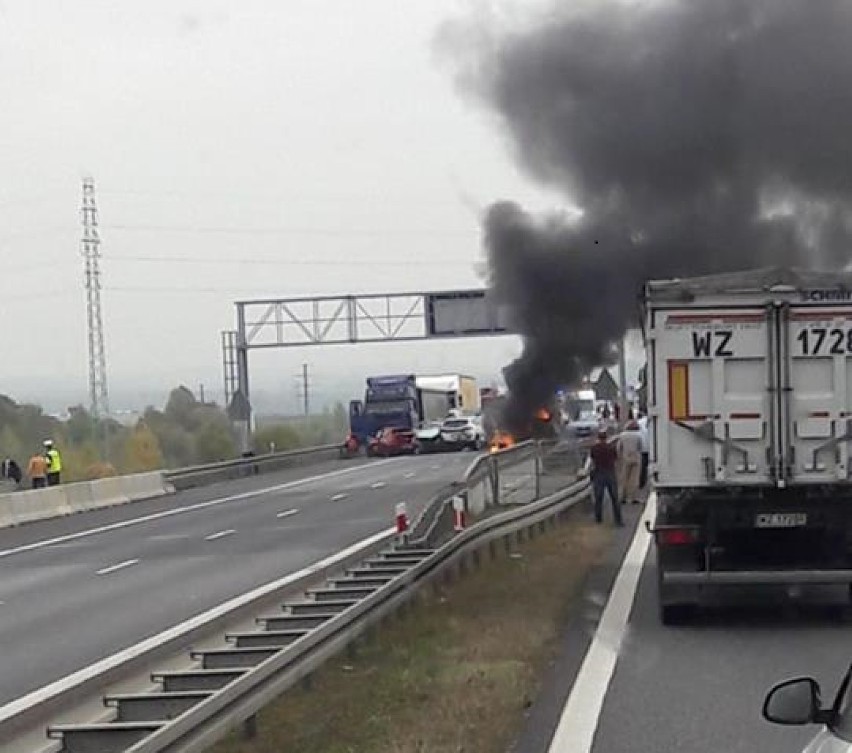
(455, 672)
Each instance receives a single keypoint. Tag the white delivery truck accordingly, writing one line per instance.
(750, 409)
(463, 390)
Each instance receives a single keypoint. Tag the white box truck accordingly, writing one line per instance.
(750, 410)
(464, 390)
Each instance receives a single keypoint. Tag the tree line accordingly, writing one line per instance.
(184, 432)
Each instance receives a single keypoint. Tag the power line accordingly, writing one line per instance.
(291, 197)
(320, 231)
(296, 262)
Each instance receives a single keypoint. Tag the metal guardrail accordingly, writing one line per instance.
(198, 475)
(484, 469)
(483, 475)
(235, 682)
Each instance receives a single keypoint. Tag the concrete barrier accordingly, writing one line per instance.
(145, 485)
(80, 496)
(107, 492)
(39, 504)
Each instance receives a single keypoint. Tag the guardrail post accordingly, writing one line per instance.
(250, 728)
(538, 470)
(494, 475)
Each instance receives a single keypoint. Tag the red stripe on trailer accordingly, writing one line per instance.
(710, 318)
(819, 414)
(745, 415)
(820, 315)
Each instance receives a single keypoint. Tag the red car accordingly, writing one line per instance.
(391, 441)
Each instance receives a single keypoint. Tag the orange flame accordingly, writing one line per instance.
(542, 414)
(501, 440)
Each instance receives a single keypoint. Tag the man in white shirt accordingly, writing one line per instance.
(630, 456)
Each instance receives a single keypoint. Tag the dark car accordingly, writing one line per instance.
(391, 441)
(799, 702)
(428, 439)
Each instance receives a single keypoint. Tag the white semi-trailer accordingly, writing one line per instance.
(750, 410)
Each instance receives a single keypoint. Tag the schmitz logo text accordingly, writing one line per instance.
(822, 296)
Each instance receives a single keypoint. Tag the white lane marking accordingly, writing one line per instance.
(188, 508)
(68, 682)
(114, 568)
(579, 721)
(338, 497)
(220, 535)
(409, 475)
(286, 513)
(378, 485)
(436, 467)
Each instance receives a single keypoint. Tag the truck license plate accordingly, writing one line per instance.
(781, 520)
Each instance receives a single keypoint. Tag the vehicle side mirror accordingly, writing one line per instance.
(794, 702)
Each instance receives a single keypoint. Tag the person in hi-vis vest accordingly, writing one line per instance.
(54, 463)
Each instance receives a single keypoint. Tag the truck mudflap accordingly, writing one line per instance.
(756, 577)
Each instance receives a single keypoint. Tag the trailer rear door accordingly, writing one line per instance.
(713, 410)
(818, 392)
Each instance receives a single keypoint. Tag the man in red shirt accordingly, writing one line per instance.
(603, 458)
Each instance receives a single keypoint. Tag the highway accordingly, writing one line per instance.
(624, 683)
(78, 589)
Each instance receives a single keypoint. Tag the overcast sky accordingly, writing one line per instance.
(239, 150)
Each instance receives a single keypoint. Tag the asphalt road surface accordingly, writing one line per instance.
(696, 688)
(78, 589)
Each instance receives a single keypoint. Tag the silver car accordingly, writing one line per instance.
(463, 431)
(799, 702)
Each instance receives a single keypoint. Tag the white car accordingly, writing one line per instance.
(799, 702)
(586, 425)
(463, 431)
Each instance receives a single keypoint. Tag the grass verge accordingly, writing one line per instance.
(455, 673)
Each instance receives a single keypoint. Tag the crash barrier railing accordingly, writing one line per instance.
(19, 507)
(510, 476)
(189, 709)
(199, 475)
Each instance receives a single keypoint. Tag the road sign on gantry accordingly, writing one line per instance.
(464, 313)
(326, 320)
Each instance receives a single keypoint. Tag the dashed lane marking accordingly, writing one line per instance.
(220, 535)
(338, 497)
(286, 513)
(115, 568)
(189, 508)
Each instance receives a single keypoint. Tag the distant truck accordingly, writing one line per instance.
(396, 401)
(464, 391)
(749, 384)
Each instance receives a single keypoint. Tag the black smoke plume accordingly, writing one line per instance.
(694, 136)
